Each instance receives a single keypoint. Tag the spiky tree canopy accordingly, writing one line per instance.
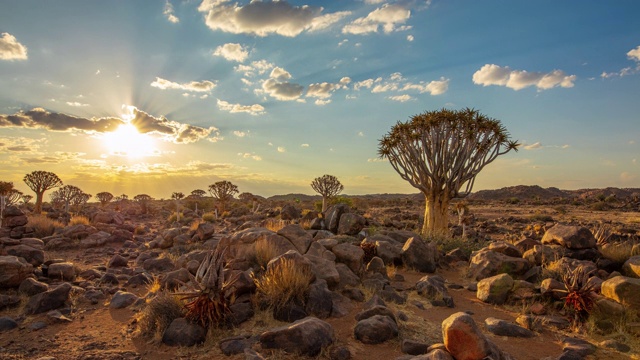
(104, 197)
(223, 191)
(198, 193)
(442, 151)
(39, 182)
(328, 186)
(177, 195)
(142, 198)
(68, 194)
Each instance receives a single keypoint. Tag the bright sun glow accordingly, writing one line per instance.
(127, 141)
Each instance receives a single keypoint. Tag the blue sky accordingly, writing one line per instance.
(160, 96)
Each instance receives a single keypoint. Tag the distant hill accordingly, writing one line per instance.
(529, 192)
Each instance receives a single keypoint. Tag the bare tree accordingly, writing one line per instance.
(223, 191)
(249, 198)
(328, 186)
(67, 194)
(8, 196)
(104, 198)
(39, 182)
(177, 196)
(439, 152)
(143, 200)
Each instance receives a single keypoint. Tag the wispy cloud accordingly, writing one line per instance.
(389, 18)
(232, 52)
(397, 83)
(255, 109)
(11, 49)
(168, 12)
(196, 86)
(634, 55)
(491, 74)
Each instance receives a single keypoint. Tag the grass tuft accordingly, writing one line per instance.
(158, 314)
(284, 283)
(79, 220)
(43, 226)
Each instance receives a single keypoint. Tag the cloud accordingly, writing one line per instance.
(322, 102)
(401, 98)
(196, 86)
(251, 156)
(533, 146)
(55, 158)
(39, 118)
(396, 82)
(410, 38)
(255, 109)
(627, 177)
(304, 145)
(633, 54)
(262, 18)
(171, 130)
(239, 133)
(322, 90)
(281, 149)
(168, 12)
(389, 16)
(76, 104)
(11, 49)
(260, 67)
(232, 52)
(285, 91)
(491, 74)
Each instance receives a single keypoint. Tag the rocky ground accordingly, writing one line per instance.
(84, 292)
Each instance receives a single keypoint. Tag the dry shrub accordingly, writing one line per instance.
(194, 224)
(602, 233)
(209, 217)
(140, 230)
(43, 226)
(265, 251)
(158, 314)
(553, 269)
(79, 220)
(284, 283)
(275, 225)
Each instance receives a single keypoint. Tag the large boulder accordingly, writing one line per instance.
(205, 231)
(183, 333)
(298, 236)
(306, 336)
(13, 271)
(504, 328)
(324, 269)
(464, 340)
(433, 288)
(96, 239)
(62, 270)
(631, 267)
(351, 224)
(332, 216)
(108, 217)
(569, 236)
(290, 212)
(33, 256)
(486, 263)
(419, 255)
(350, 255)
(48, 300)
(495, 289)
(624, 290)
(376, 329)
(389, 251)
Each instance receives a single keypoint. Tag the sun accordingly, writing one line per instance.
(128, 141)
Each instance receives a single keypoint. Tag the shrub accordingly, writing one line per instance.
(43, 226)
(210, 216)
(599, 206)
(369, 251)
(512, 200)
(579, 298)
(275, 225)
(158, 315)
(284, 283)
(447, 243)
(79, 220)
(265, 251)
(194, 224)
(541, 218)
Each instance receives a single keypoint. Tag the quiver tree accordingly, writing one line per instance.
(67, 194)
(177, 196)
(104, 198)
(143, 200)
(223, 191)
(39, 182)
(8, 196)
(196, 195)
(26, 198)
(328, 186)
(440, 152)
(80, 200)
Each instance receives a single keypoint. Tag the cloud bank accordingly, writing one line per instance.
(11, 49)
(195, 86)
(491, 74)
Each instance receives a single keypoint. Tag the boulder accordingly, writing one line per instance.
(332, 216)
(389, 251)
(569, 236)
(306, 336)
(433, 288)
(298, 236)
(376, 329)
(117, 261)
(7, 323)
(205, 231)
(32, 287)
(290, 212)
(158, 264)
(624, 290)
(486, 263)
(48, 300)
(631, 267)
(324, 269)
(419, 255)
(13, 271)
(62, 270)
(183, 333)
(319, 301)
(96, 239)
(350, 255)
(505, 328)
(505, 248)
(464, 340)
(351, 224)
(122, 299)
(108, 217)
(33, 255)
(495, 289)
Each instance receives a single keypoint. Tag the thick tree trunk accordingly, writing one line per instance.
(436, 216)
(38, 208)
(324, 203)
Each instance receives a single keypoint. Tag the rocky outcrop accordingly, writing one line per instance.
(486, 263)
(13, 271)
(495, 289)
(624, 290)
(570, 237)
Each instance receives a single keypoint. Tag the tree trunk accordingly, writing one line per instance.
(38, 208)
(436, 216)
(324, 203)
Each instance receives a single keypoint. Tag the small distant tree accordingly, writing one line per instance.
(249, 198)
(196, 195)
(223, 191)
(440, 152)
(39, 182)
(80, 200)
(26, 198)
(67, 194)
(8, 196)
(143, 200)
(104, 198)
(328, 186)
(177, 196)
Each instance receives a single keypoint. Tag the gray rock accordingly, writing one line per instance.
(376, 266)
(307, 336)
(298, 237)
(7, 301)
(389, 251)
(505, 248)
(183, 333)
(413, 347)
(495, 289)
(374, 311)
(48, 300)
(347, 277)
(504, 328)
(341, 305)
(351, 224)
(631, 267)
(158, 264)
(569, 236)
(376, 329)
(433, 288)
(332, 216)
(32, 287)
(237, 344)
(13, 271)
(117, 261)
(33, 255)
(122, 299)
(419, 255)
(324, 269)
(579, 346)
(7, 323)
(319, 301)
(486, 263)
(624, 290)
(350, 255)
(63, 271)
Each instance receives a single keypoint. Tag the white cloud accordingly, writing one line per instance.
(255, 109)
(280, 74)
(11, 49)
(410, 38)
(634, 161)
(168, 11)
(239, 133)
(280, 89)
(262, 18)
(232, 52)
(197, 86)
(76, 104)
(360, 133)
(251, 156)
(533, 146)
(281, 149)
(304, 145)
(389, 16)
(634, 54)
(491, 74)
(322, 90)
(397, 82)
(98, 72)
(321, 102)
(343, 42)
(627, 177)
(401, 98)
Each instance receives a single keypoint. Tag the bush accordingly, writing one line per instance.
(43, 226)
(79, 220)
(541, 218)
(210, 216)
(599, 206)
(512, 200)
(158, 315)
(265, 251)
(284, 283)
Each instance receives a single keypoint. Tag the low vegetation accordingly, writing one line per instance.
(284, 283)
(43, 226)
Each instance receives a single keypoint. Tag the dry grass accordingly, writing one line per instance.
(194, 224)
(553, 269)
(275, 224)
(43, 226)
(265, 251)
(285, 282)
(158, 314)
(209, 217)
(79, 220)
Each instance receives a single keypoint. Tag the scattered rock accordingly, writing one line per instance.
(32, 287)
(307, 336)
(48, 300)
(13, 271)
(433, 288)
(376, 329)
(624, 290)
(412, 347)
(62, 271)
(504, 328)
(183, 333)
(419, 255)
(464, 340)
(631, 267)
(569, 236)
(7, 323)
(495, 289)
(122, 299)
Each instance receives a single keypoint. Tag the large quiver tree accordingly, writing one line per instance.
(39, 182)
(440, 152)
(328, 186)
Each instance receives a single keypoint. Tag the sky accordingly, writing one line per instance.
(155, 97)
